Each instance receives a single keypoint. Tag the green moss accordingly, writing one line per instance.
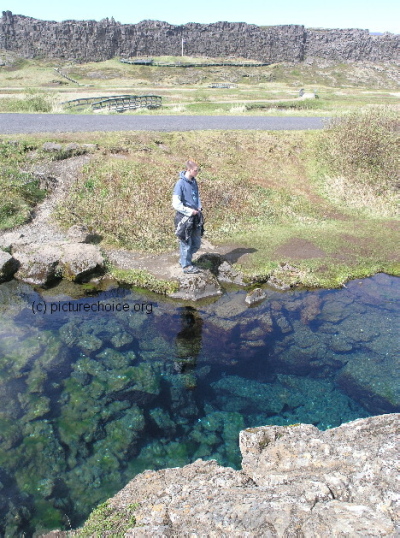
(107, 517)
(50, 518)
(143, 279)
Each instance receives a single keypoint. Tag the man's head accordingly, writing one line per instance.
(192, 169)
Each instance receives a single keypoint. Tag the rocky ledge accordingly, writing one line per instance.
(295, 481)
(43, 263)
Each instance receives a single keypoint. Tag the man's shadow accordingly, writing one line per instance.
(234, 255)
(212, 260)
(188, 340)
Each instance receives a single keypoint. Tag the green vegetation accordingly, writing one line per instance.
(22, 189)
(358, 154)
(267, 90)
(363, 145)
(107, 517)
(306, 104)
(143, 279)
(33, 100)
(306, 199)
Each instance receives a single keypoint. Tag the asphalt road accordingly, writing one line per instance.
(61, 123)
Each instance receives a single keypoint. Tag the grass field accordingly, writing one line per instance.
(325, 202)
(285, 196)
(269, 90)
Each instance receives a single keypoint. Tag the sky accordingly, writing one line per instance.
(374, 15)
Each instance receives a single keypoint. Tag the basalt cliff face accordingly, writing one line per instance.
(295, 481)
(95, 41)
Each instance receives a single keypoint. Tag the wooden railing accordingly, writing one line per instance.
(66, 76)
(118, 103)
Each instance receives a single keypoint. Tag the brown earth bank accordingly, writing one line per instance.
(295, 481)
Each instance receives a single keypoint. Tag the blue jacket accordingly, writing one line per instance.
(185, 196)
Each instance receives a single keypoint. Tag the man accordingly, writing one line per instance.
(188, 219)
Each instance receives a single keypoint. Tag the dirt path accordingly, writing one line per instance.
(41, 229)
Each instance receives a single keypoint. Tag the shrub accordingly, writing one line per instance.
(363, 147)
(21, 190)
(34, 101)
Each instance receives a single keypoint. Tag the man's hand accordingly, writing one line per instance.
(195, 212)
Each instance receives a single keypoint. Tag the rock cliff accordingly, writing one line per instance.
(295, 481)
(92, 40)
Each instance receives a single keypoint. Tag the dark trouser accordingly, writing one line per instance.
(187, 249)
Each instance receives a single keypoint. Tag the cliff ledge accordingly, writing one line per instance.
(295, 481)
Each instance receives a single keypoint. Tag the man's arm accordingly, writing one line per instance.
(178, 206)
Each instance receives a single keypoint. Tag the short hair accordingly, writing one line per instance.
(191, 164)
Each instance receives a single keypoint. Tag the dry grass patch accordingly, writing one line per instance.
(247, 179)
(363, 198)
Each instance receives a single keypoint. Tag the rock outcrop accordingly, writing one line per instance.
(92, 40)
(197, 286)
(41, 264)
(8, 266)
(296, 481)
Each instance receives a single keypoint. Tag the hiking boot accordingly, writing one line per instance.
(190, 269)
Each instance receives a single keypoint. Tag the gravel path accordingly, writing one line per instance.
(56, 123)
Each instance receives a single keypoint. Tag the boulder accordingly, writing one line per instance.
(41, 264)
(219, 267)
(8, 239)
(51, 147)
(80, 233)
(226, 273)
(79, 260)
(295, 481)
(193, 287)
(37, 263)
(255, 296)
(277, 283)
(8, 266)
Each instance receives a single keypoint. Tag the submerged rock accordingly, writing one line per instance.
(226, 273)
(318, 483)
(8, 266)
(270, 398)
(255, 296)
(372, 381)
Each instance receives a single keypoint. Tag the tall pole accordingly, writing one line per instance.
(182, 46)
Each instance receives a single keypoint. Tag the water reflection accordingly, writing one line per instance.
(92, 394)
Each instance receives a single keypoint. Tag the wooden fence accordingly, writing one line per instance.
(66, 76)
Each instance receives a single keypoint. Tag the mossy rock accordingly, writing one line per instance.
(107, 517)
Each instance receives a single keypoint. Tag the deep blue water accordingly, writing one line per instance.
(96, 389)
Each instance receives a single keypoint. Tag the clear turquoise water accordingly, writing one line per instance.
(92, 393)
